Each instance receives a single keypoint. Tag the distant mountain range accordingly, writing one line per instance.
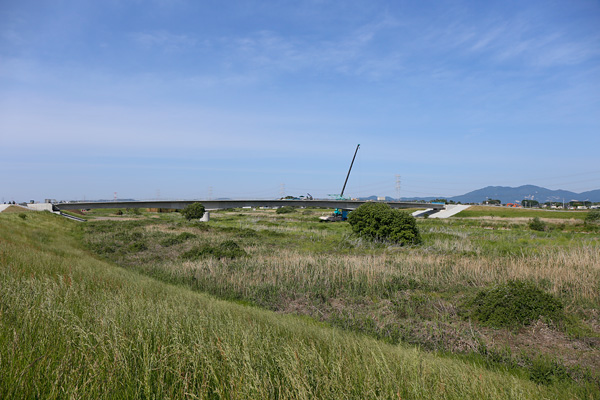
(508, 194)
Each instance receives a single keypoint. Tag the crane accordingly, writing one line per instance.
(339, 214)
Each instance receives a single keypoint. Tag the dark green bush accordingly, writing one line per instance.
(193, 211)
(514, 304)
(137, 247)
(185, 236)
(537, 225)
(227, 249)
(379, 221)
(285, 210)
(592, 217)
(23, 216)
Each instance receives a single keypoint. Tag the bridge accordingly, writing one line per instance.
(227, 204)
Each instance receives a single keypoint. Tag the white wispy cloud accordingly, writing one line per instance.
(518, 40)
(350, 54)
(164, 39)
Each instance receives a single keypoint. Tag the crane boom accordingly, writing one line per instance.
(350, 169)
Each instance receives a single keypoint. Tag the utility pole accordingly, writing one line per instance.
(398, 187)
(282, 189)
(210, 191)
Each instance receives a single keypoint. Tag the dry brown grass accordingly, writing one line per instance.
(574, 274)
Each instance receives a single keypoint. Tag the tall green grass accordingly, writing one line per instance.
(503, 212)
(73, 326)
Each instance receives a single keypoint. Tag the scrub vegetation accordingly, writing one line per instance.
(193, 211)
(311, 310)
(515, 303)
(593, 217)
(378, 221)
(285, 210)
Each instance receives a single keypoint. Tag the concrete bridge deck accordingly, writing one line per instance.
(225, 204)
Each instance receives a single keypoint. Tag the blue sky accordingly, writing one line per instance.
(191, 99)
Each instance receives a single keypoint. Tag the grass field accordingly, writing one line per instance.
(312, 311)
(504, 212)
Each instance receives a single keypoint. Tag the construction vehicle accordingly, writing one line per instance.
(338, 213)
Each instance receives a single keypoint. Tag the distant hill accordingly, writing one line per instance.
(592, 194)
(507, 194)
(510, 195)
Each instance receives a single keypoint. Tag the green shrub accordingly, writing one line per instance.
(119, 212)
(137, 247)
(285, 210)
(593, 217)
(173, 240)
(226, 249)
(513, 304)
(185, 236)
(545, 370)
(379, 221)
(23, 216)
(193, 211)
(537, 225)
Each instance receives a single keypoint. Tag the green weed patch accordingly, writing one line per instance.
(227, 249)
(285, 210)
(177, 239)
(513, 304)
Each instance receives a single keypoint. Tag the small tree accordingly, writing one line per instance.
(537, 225)
(379, 221)
(193, 211)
